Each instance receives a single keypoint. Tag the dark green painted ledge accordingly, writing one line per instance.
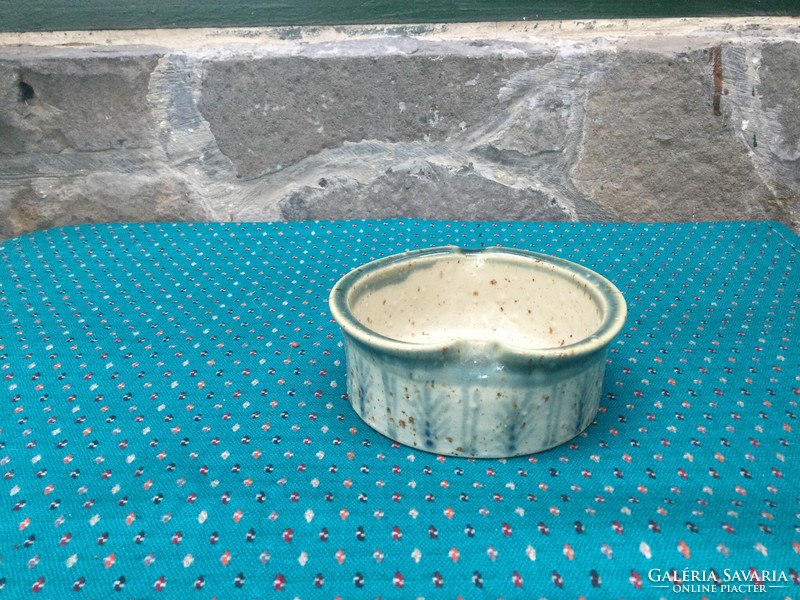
(62, 15)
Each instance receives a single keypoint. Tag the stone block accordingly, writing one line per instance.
(84, 102)
(271, 112)
(658, 145)
(99, 197)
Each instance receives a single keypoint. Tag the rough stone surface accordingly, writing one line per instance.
(780, 89)
(86, 104)
(99, 197)
(654, 147)
(778, 157)
(423, 190)
(271, 112)
(694, 125)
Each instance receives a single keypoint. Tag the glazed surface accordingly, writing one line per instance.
(523, 302)
(483, 353)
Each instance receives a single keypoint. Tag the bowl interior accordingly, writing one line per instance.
(523, 301)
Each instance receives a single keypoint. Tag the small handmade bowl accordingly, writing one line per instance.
(480, 353)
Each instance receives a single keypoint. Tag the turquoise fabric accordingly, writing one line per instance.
(175, 424)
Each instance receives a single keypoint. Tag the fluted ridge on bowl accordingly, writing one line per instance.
(452, 413)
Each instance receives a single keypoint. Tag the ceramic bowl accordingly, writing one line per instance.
(480, 353)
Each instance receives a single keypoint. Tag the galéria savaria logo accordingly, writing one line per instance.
(710, 581)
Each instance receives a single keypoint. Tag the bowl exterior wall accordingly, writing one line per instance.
(474, 404)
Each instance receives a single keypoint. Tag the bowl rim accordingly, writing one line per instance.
(614, 307)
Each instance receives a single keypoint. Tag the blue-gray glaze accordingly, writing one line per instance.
(468, 397)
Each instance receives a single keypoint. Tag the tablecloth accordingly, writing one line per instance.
(175, 424)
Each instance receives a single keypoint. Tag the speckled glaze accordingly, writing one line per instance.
(481, 353)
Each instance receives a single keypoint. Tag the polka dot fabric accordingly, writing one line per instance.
(175, 422)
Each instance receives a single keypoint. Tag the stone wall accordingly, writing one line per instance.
(630, 121)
